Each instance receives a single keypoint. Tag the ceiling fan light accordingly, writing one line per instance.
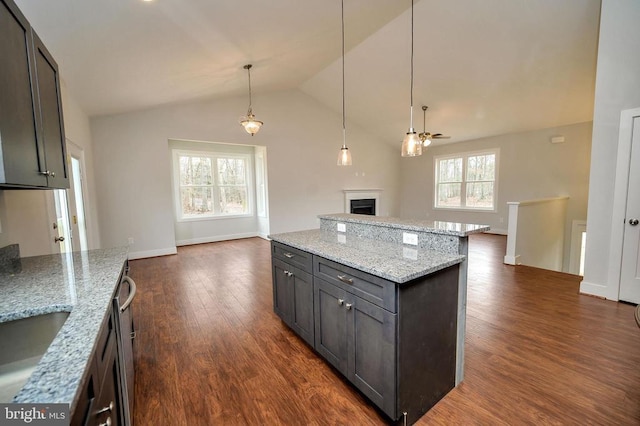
(427, 142)
(411, 144)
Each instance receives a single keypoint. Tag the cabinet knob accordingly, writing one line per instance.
(288, 273)
(45, 173)
(108, 408)
(289, 255)
(52, 174)
(107, 423)
(348, 306)
(340, 302)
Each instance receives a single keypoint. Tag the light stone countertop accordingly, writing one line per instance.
(82, 283)
(431, 226)
(394, 262)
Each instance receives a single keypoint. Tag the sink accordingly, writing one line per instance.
(22, 343)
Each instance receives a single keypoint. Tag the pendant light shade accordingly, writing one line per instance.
(411, 144)
(344, 156)
(250, 124)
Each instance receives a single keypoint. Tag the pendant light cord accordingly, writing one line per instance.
(412, 64)
(344, 131)
(249, 73)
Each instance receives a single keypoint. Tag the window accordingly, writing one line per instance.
(466, 181)
(211, 184)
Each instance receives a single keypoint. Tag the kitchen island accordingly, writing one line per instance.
(387, 315)
(82, 284)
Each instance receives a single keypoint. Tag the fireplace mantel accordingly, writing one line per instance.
(359, 194)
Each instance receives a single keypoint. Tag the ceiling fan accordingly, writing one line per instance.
(425, 136)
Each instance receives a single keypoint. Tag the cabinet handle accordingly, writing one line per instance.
(348, 306)
(107, 423)
(288, 273)
(108, 408)
(127, 302)
(344, 279)
(45, 173)
(340, 302)
(289, 255)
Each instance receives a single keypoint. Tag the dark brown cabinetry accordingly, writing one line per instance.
(99, 402)
(106, 397)
(32, 142)
(395, 342)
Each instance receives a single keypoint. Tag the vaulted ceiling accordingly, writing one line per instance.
(483, 67)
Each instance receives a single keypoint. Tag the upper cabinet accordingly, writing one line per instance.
(32, 142)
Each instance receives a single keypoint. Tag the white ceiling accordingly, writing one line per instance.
(484, 67)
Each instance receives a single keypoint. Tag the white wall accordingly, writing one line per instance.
(24, 214)
(617, 89)
(530, 167)
(302, 138)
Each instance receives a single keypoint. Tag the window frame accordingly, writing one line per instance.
(463, 190)
(214, 156)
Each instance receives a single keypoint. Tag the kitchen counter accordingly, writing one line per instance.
(82, 283)
(394, 262)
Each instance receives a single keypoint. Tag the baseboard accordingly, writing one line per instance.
(216, 238)
(512, 260)
(598, 290)
(264, 237)
(497, 231)
(152, 253)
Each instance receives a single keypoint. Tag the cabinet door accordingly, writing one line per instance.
(331, 323)
(20, 163)
(371, 332)
(108, 402)
(282, 290)
(52, 134)
(302, 304)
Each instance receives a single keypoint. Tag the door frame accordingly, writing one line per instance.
(74, 150)
(620, 191)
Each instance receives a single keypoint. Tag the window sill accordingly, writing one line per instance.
(465, 210)
(217, 217)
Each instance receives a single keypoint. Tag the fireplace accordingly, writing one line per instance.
(364, 206)
(362, 201)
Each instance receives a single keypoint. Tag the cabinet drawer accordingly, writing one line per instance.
(374, 289)
(292, 256)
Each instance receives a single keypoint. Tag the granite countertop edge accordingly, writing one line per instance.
(81, 283)
(407, 224)
(406, 270)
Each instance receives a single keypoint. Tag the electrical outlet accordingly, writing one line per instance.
(130, 241)
(408, 238)
(409, 253)
(342, 239)
(342, 227)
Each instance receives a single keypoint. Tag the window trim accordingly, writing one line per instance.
(214, 155)
(463, 190)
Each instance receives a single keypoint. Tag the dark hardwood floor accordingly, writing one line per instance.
(209, 349)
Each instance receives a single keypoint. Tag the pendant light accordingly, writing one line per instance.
(250, 124)
(411, 144)
(344, 156)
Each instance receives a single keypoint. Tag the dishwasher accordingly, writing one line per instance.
(126, 332)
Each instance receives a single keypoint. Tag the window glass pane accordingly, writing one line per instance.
(480, 195)
(450, 170)
(449, 195)
(195, 170)
(481, 168)
(196, 201)
(233, 200)
(231, 171)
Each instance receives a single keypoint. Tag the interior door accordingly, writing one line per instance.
(76, 197)
(630, 267)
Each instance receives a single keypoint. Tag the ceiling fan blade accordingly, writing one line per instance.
(440, 136)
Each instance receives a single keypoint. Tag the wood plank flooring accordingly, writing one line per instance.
(209, 349)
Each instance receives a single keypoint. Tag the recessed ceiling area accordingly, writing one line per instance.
(483, 68)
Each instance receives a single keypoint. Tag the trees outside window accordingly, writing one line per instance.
(211, 184)
(466, 181)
